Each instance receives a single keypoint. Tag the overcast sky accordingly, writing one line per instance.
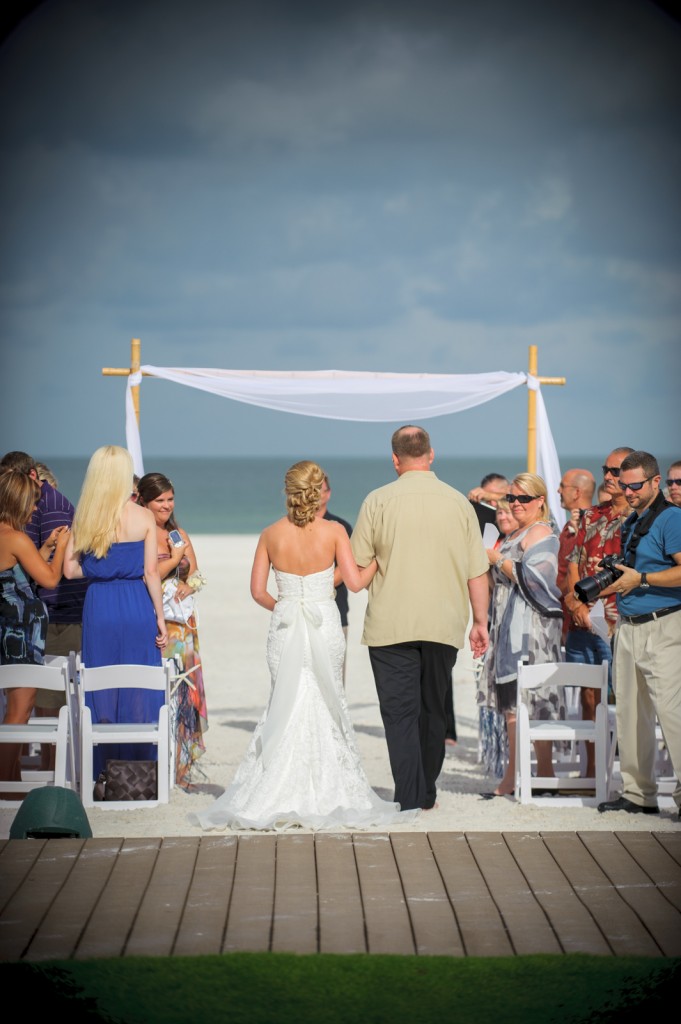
(411, 187)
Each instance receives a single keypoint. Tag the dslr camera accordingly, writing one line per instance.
(590, 587)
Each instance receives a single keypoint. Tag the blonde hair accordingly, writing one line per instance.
(19, 493)
(45, 473)
(106, 491)
(530, 483)
(303, 487)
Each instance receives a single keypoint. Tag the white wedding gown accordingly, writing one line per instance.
(302, 766)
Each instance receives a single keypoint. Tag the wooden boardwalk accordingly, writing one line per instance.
(438, 893)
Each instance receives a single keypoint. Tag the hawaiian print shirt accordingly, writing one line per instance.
(598, 535)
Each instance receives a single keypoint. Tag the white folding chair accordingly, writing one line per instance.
(92, 734)
(572, 731)
(54, 730)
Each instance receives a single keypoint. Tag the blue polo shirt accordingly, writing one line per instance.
(653, 555)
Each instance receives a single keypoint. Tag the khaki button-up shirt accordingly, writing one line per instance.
(426, 539)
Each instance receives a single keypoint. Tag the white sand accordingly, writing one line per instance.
(233, 632)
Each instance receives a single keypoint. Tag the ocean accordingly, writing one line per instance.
(243, 495)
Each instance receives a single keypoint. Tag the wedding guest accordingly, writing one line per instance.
(673, 483)
(493, 739)
(180, 580)
(23, 616)
(64, 600)
(524, 627)
(113, 545)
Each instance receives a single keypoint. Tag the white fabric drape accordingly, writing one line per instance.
(358, 396)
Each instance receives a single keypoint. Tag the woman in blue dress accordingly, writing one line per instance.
(113, 545)
(23, 616)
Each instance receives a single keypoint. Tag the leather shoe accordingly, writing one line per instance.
(622, 804)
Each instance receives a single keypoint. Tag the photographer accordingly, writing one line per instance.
(648, 636)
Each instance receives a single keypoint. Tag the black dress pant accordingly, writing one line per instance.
(412, 681)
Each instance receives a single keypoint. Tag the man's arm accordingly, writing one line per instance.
(478, 593)
(362, 541)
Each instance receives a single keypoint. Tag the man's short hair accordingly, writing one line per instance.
(491, 477)
(641, 460)
(410, 442)
(18, 460)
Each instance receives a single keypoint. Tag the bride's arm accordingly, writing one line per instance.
(259, 576)
(353, 576)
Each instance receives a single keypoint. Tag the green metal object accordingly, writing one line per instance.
(51, 812)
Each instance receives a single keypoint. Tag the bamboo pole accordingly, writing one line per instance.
(532, 408)
(122, 371)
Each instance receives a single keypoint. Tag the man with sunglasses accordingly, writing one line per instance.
(648, 639)
(673, 483)
(598, 535)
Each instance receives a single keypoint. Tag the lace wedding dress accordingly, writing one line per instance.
(302, 766)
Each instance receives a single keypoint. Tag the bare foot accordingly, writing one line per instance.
(433, 808)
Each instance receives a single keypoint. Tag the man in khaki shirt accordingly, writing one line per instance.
(432, 568)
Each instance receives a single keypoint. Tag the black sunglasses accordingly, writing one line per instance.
(672, 481)
(612, 470)
(524, 499)
(635, 487)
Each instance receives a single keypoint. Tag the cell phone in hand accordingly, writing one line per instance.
(175, 538)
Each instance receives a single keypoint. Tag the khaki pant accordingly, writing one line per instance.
(647, 683)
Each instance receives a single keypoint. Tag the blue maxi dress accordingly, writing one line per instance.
(119, 628)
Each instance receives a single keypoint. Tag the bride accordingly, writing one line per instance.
(302, 767)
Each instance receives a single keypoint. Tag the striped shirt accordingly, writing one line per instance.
(64, 603)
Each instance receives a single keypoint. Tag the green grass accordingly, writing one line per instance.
(282, 988)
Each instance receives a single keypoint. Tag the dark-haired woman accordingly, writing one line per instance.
(179, 573)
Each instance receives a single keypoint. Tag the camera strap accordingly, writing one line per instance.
(635, 528)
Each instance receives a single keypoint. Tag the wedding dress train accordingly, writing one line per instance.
(302, 766)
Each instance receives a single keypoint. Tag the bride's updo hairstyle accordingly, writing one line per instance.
(303, 488)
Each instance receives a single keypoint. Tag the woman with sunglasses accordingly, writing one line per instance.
(526, 616)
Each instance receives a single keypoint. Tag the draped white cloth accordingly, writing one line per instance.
(359, 396)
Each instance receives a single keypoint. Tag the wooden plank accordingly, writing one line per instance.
(295, 924)
(387, 920)
(341, 916)
(575, 929)
(436, 932)
(671, 841)
(637, 889)
(16, 860)
(106, 933)
(249, 925)
(525, 921)
(204, 920)
(155, 927)
(653, 858)
(482, 929)
(621, 928)
(31, 901)
(59, 932)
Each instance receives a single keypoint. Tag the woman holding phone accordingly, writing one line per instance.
(180, 580)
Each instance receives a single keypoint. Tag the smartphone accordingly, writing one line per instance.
(175, 538)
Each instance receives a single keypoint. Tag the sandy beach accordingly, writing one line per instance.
(233, 631)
